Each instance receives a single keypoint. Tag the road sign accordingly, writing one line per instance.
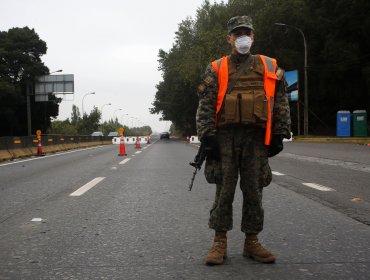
(57, 84)
(121, 131)
(38, 133)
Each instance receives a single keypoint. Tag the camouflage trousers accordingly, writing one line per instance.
(242, 153)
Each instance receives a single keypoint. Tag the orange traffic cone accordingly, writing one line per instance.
(137, 146)
(39, 148)
(122, 148)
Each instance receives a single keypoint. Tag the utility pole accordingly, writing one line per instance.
(305, 108)
(28, 99)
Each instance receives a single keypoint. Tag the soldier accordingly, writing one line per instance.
(242, 118)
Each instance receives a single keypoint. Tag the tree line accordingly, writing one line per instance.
(88, 123)
(338, 48)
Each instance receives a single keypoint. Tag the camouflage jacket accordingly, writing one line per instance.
(206, 113)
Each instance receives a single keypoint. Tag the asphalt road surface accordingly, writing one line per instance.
(89, 214)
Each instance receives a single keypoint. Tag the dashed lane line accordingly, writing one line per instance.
(87, 186)
(277, 173)
(138, 152)
(125, 160)
(318, 187)
(310, 185)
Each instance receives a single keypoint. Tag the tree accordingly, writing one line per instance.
(75, 115)
(62, 127)
(20, 64)
(110, 126)
(89, 123)
(338, 55)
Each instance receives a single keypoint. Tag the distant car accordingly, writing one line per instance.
(164, 135)
(97, 133)
(113, 133)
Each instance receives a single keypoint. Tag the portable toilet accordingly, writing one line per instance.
(359, 123)
(344, 123)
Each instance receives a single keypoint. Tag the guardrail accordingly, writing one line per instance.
(14, 147)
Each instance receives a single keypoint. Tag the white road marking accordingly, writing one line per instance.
(318, 187)
(54, 155)
(36, 220)
(114, 168)
(138, 152)
(277, 173)
(125, 160)
(87, 186)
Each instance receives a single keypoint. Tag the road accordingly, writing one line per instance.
(89, 214)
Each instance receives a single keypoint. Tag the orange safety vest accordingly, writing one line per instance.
(221, 68)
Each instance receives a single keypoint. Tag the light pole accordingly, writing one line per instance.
(305, 111)
(114, 113)
(101, 110)
(123, 119)
(83, 102)
(132, 122)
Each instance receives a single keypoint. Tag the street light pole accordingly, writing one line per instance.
(101, 110)
(83, 102)
(305, 111)
(114, 113)
(28, 99)
(123, 119)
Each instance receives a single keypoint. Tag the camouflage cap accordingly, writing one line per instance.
(239, 21)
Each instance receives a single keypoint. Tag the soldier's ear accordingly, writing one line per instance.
(228, 38)
(252, 36)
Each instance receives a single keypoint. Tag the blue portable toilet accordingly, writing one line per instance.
(344, 123)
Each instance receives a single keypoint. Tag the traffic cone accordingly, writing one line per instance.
(122, 148)
(137, 146)
(187, 139)
(39, 148)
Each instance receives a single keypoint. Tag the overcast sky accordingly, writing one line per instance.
(110, 46)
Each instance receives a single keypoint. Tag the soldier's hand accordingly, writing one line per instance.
(211, 147)
(276, 145)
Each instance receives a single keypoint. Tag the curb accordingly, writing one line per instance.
(332, 140)
(5, 155)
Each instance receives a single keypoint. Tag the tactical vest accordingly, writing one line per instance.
(251, 100)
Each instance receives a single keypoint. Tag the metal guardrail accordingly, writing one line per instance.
(7, 143)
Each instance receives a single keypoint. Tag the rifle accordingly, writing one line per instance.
(197, 163)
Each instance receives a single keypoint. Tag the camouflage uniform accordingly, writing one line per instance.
(242, 152)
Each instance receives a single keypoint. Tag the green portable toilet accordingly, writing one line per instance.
(359, 123)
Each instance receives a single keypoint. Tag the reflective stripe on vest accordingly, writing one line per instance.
(221, 68)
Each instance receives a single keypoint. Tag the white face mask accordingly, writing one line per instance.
(243, 44)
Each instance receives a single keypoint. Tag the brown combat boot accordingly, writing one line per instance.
(254, 250)
(217, 253)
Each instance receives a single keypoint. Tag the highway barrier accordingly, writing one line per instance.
(131, 140)
(24, 146)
